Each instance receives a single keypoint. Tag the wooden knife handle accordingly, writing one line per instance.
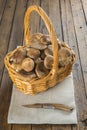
(63, 107)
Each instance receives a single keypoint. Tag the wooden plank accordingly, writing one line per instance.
(21, 127)
(5, 28)
(2, 7)
(75, 127)
(16, 37)
(35, 18)
(83, 128)
(61, 127)
(54, 10)
(63, 15)
(51, 8)
(18, 25)
(81, 33)
(80, 96)
(34, 28)
(41, 127)
(45, 7)
(42, 29)
(84, 5)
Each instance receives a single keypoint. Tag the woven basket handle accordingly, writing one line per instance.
(51, 31)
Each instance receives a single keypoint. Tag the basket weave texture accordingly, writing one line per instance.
(55, 76)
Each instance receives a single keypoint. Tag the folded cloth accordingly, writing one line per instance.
(62, 93)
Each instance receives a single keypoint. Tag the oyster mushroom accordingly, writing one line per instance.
(65, 57)
(17, 67)
(38, 60)
(48, 61)
(59, 44)
(33, 53)
(28, 75)
(45, 39)
(36, 36)
(48, 51)
(36, 43)
(42, 55)
(48, 39)
(27, 64)
(18, 56)
(41, 70)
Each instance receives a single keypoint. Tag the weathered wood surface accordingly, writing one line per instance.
(69, 18)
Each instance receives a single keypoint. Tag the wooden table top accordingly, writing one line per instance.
(69, 18)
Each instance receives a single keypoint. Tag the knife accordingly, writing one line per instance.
(50, 106)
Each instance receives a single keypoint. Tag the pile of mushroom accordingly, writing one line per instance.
(36, 59)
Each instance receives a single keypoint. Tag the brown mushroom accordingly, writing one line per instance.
(18, 56)
(33, 53)
(65, 57)
(28, 75)
(48, 50)
(48, 39)
(45, 39)
(36, 43)
(48, 61)
(41, 70)
(36, 36)
(27, 64)
(42, 55)
(37, 60)
(59, 44)
(16, 67)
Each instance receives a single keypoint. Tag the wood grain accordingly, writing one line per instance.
(21, 127)
(16, 39)
(84, 6)
(69, 18)
(56, 18)
(41, 127)
(54, 6)
(81, 33)
(61, 127)
(77, 72)
(6, 82)
(2, 7)
(5, 28)
(35, 18)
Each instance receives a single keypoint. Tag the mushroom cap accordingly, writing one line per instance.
(36, 35)
(59, 44)
(48, 50)
(29, 75)
(65, 56)
(48, 61)
(17, 67)
(37, 60)
(36, 43)
(27, 64)
(41, 70)
(45, 39)
(18, 55)
(48, 39)
(42, 54)
(33, 53)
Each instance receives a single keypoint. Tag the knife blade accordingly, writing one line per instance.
(50, 106)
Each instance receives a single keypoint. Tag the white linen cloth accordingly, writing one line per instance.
(62, 93)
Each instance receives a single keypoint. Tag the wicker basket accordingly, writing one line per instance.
(55, 76)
